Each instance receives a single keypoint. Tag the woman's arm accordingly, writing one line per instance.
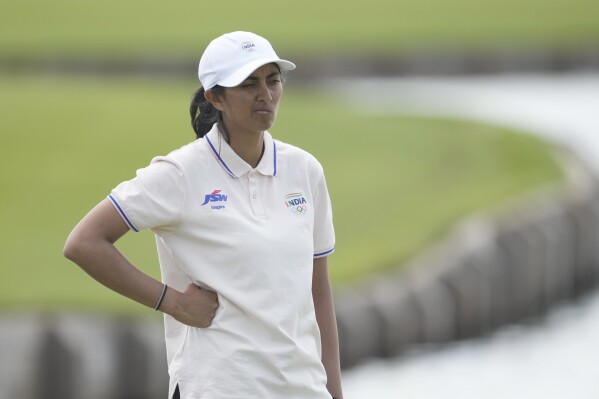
(91, 246)
(325, 316)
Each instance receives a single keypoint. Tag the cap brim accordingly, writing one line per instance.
(242, 73)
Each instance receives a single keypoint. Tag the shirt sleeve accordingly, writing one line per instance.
(324, 233)
(154, 198)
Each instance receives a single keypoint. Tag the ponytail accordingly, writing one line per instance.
(203, 114)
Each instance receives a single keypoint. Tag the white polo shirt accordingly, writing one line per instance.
(250, 235)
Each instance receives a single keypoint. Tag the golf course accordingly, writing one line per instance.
(397, 184)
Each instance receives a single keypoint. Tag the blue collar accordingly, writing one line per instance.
(233, 164)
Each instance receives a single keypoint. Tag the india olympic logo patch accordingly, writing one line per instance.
(296, 203)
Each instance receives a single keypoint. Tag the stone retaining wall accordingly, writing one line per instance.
(75, 356)
(492, 270)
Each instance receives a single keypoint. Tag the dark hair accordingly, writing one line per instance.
(204, 114)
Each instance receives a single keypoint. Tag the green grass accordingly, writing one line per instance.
(183, 28)
(396, 183)
(399, 183)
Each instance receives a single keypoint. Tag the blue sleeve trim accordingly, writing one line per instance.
(324, 253)
(125, 218)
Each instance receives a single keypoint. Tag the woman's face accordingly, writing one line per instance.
(252, 106)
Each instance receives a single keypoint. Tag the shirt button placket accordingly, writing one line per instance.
(254, 197)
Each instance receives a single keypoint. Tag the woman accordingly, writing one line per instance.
(243, 228)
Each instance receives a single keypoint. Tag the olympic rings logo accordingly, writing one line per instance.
(297, 203)
(300, 209)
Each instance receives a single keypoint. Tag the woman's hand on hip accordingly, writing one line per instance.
(195, 306)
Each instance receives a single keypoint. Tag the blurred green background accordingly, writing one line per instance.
(397, 183)
(184, 28)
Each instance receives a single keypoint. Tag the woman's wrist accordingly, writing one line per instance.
(170, 303)
(161, 297)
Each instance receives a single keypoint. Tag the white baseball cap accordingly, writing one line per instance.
(231, 58)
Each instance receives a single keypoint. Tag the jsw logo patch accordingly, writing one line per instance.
(215, 196)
